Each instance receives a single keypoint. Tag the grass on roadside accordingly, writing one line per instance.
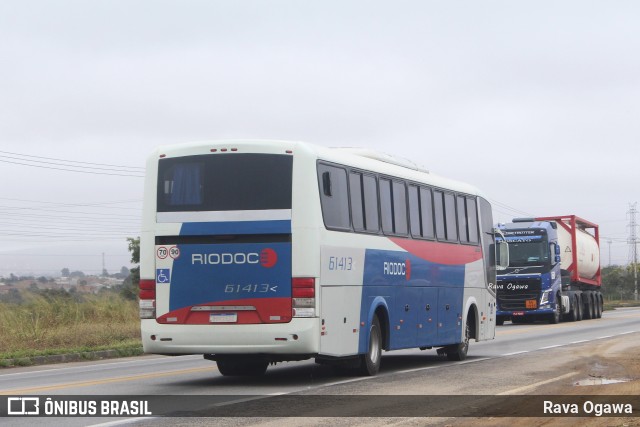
(46, 325)
(613, 304)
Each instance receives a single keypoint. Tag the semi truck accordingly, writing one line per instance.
(554, 271)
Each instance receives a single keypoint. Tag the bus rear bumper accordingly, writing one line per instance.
(300, 336)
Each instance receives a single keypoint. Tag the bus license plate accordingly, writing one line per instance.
(531, 303)
(223, 317)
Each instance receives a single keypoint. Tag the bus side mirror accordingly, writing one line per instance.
(502, 252)
(503, 256)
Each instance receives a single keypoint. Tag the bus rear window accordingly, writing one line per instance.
(227, 182)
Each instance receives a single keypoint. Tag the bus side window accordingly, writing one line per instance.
(370, 194)
(386, 206)
(334, 197)
(399, 208)
(357, 206)
(438, 204)
(472, 220)
(426, 211)
(463, 232)
(450, 217)
(415, 222)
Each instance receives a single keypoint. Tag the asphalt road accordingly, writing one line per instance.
(514, 362)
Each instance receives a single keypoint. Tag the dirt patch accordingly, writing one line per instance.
(609, 360)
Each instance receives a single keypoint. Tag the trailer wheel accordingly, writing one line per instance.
(578, 301)
(572, 316)
(370, 361)
(599, 306)
(588, 307)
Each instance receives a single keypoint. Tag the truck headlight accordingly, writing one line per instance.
(545, 297)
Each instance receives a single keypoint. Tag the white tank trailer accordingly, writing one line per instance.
(586, 250)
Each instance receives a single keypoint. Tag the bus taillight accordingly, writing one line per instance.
(147, 299)
(303, 296)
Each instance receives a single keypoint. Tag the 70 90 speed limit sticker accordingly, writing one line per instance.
(163, 252)
(174, 252)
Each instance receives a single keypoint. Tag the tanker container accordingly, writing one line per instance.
(578, 241)
(588, 253)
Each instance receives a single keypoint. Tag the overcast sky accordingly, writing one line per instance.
(537, 103)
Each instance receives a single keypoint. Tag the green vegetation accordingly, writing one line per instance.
(618, 283)
(38, 323)
(130, 287)
(59, 322)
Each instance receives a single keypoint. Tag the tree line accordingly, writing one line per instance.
(618, 282)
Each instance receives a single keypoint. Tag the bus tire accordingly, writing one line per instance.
(230, 368)
(459, 351)
(370, 361)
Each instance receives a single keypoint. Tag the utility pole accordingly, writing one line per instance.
(633, 246)
(609, 241)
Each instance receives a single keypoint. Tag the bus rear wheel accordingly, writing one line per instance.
(370, 361)
(459, 351)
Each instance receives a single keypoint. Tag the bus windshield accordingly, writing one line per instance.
(228, 182)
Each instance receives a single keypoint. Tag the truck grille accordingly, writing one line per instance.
(512, 294)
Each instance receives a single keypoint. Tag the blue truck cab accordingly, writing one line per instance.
(530, 288)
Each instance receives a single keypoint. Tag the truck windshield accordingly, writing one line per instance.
(528, 253)
(225, 182)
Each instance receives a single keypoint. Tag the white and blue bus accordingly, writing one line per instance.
(256, 252)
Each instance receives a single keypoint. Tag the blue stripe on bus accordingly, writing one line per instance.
(235, 227)
(206, 273)
(414, 291)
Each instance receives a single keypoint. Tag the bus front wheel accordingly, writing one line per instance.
(370, 361)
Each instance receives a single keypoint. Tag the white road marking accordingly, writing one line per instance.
(536, 385)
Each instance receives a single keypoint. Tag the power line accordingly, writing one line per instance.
(61, 255)
(8, 211)
(138, 168)
(72, 170)
(64, 227)
(97, 204)
(510, 208)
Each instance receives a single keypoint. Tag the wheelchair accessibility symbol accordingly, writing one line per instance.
(163, 275)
